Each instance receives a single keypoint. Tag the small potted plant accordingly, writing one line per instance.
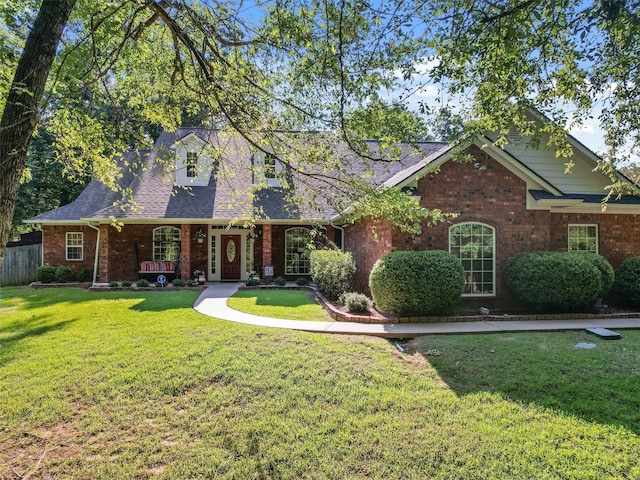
(200, 236)
(199, 276)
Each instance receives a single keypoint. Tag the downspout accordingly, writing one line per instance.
(342, 236)
(95, 260)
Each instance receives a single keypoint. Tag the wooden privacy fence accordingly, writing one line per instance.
(20, 265)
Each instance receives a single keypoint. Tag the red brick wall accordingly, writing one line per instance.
(277, 250)
(618, 235)
(122, 250)
(491, 195)
(117, 257)
(367, 247)
(198, 257)
(54, 246)
(496, 197)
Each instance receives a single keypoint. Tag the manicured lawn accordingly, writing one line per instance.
(600, 385)
(287, 304)
(139, 385)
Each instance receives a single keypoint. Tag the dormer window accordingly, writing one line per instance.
(192, 164)
(267, 169)
(270, 167)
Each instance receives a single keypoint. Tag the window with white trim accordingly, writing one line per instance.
(267, 168)
(270, 167)
(212, 254)
(474, 245)
(297, 253)
(192, 164)
(74, 246)
(166, 244)
(582, 238)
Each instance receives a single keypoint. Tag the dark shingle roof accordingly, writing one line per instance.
(229, 194)
(95, 195)
(587, 197)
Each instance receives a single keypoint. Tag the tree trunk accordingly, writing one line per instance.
(20, 115)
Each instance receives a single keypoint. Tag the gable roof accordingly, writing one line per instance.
(544, 192)
(229, 194)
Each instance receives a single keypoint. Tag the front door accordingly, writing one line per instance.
(230, 257)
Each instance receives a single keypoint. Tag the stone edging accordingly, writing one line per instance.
(106, 288)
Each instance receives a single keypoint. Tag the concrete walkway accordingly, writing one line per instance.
(213, 302)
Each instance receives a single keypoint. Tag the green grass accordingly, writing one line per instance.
(139, 385)
(599, 385)
(288, 304)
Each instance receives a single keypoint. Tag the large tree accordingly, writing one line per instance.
(570, 61)
(20, 112)
(315, 64)
(287, 64)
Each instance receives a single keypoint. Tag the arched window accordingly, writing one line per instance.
(166, 244)
(297, 253)
(474, 244)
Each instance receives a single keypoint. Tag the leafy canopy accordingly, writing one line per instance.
(566, 60)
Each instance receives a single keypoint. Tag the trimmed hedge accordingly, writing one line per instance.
(333, 271)
(555, 281)
(63, 274)
(46, 274)
(607, 274)
(417, 283)
(627, 283)
(84, 274)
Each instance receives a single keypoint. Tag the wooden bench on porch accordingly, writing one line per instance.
(151, 270)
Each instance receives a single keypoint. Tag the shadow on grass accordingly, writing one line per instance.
(29, 298)
(598, 385)
(163, 301)
(12, 334)
(25, 298)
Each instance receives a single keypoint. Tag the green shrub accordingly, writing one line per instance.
(113, 284)
(355, 302)
(417, 283)
(302, 281)
(126, 283)
(143, 282)
(178, 282)
(333, 271)
(281, 282)
(46, 274)
(607, 274)
(554, 281)
(63, 274)
(253, 282)
(84, 274)
(627, 283)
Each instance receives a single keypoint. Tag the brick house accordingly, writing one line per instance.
(507, 201)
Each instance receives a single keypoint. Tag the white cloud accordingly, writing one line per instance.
(584, 128)
(428, 91)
